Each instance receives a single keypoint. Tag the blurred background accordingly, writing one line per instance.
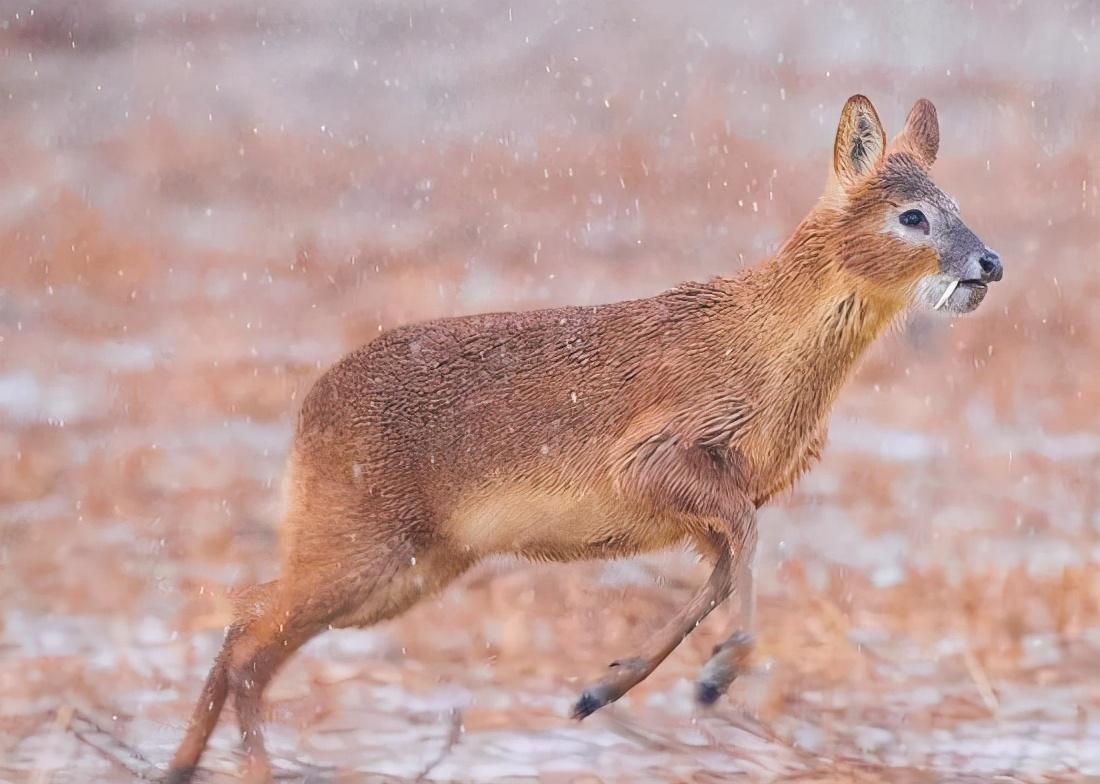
(204, 204)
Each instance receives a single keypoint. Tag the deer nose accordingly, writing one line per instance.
(991, 266)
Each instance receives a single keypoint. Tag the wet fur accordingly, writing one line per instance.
(577, 432)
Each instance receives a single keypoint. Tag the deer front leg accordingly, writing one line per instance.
(729, 540)
(730, 657)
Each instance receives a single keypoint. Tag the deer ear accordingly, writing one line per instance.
(860, 141)
(921, 135)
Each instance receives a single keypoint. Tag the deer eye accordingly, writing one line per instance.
(913, 218)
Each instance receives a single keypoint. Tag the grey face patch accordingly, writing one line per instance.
(906, 184)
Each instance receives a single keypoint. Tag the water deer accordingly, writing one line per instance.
(596, 432)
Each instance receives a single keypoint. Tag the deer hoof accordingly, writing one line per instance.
(623, 675)
(726, 663)
(591, 701)
(707, 693)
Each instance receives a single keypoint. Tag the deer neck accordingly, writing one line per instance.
(811, 323)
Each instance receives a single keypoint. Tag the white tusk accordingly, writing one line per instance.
(947, 293)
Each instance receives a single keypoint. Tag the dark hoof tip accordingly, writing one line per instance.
(180, 775)
(707, 693)
(588, 704)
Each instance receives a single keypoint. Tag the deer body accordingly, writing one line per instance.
(550, 434)
(590, 432)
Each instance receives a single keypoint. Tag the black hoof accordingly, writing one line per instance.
(588, 704)
(727, 661)
(707, 694)
(624, 674)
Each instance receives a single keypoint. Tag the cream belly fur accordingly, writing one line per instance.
(558, 525)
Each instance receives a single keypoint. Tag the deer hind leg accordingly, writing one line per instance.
(360, 599)
(272, 621)
(284, 627)
(205, 717)
(728, 540)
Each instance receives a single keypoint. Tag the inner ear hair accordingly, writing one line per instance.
(860, 140)
(866, 144)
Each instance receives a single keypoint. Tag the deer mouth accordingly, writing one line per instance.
(970, 286)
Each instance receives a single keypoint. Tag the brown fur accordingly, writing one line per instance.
(578, 432)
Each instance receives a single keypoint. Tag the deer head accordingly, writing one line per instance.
(899, 234)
